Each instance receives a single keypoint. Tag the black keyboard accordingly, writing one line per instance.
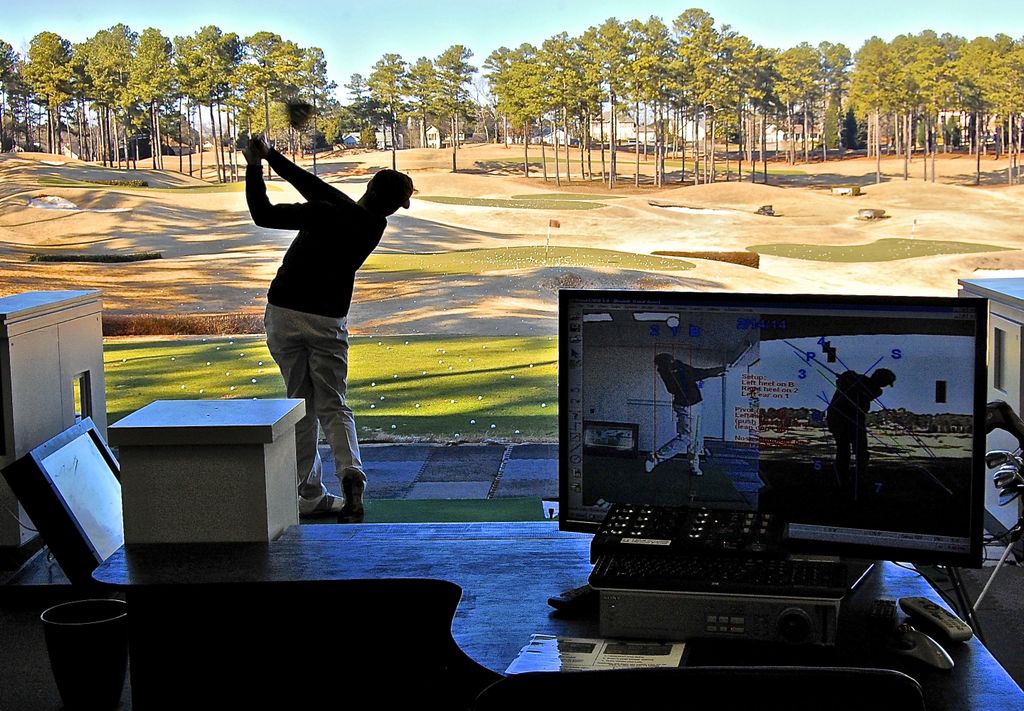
(687, 530)
(722, 574)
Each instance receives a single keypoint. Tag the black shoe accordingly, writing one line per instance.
(351, 514)
(353, 484)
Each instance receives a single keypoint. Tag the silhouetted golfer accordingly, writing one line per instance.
(846, 417)
(307, 310)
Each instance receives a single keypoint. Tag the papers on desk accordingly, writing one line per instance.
(547, 653)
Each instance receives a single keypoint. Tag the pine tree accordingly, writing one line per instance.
(48, 74)
(453, 76)
(386, 84)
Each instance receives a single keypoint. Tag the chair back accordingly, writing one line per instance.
(364, 643)
(707, 688)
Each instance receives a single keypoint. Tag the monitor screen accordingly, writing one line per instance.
(851, 417)
(69, 487)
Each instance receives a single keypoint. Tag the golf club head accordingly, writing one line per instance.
(299, 113)
(1009, 496)
(997, 457)
(1005, 477)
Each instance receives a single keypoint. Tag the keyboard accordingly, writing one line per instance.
(719, 574)
(688, 531)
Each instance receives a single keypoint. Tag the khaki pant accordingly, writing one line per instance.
(689, 437)
(312, 353)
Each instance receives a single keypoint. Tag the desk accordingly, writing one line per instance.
(506, 572)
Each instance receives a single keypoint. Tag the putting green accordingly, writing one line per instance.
(567, 196)
(883, 250)
(479, 261)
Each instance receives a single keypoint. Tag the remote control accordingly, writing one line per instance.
(940, 619)
(579, 599)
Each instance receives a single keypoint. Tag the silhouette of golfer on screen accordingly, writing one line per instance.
(846, 417)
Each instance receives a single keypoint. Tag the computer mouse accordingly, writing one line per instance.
(914, 643)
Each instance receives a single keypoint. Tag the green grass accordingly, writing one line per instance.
(238, 187)
(479, 261)
(530, 203)
(883, 250)
(567, 196)
(425, 387)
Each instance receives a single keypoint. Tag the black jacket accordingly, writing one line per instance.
(681, 381)
(335, 237)
(849, 406)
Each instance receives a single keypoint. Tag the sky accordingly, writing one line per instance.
(354, 35)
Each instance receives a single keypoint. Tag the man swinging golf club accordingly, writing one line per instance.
(682, 381)
(307, 311)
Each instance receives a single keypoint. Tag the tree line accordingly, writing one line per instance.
(121, 94)
(692, 83)
(107, 96)
(688, 87)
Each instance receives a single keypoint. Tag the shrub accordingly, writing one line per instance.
(104, 258)
(123, 183)
(744, 259)
(181, 324)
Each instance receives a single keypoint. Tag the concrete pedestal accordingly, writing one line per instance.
(195, 471)
(51, 374)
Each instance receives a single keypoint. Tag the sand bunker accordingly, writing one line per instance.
(693, 210)
(52, 202)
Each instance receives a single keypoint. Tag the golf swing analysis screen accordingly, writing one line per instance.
(856, 419)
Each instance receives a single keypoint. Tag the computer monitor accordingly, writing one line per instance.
(70, 489)
(857, 419)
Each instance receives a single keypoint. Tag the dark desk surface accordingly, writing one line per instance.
(507, 571)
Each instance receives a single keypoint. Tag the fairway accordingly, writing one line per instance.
(480, 255)
(883, 250)
(480, 261)
(430, 388)
(485, 253)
